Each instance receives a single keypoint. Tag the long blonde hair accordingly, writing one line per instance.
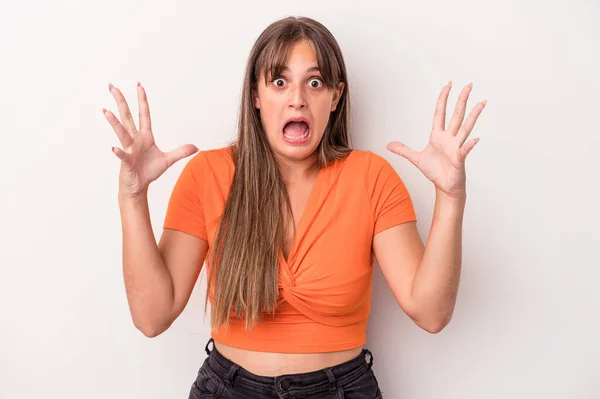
(245, 257)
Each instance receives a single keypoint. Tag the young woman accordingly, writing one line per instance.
(289, 219)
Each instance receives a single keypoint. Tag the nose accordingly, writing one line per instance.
(297, 98)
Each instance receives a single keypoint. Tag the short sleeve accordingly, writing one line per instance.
(185, 211)
(390, 200)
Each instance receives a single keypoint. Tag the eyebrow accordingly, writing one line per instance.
(311, 69)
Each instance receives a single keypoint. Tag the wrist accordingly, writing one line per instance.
(125, 197)
(458, 196)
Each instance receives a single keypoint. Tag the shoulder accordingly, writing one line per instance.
(367, 163)
(376, 171)
(212, 160)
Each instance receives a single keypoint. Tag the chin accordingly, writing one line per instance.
(296, 152)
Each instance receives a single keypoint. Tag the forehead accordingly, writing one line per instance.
(301, 52)
(298, 57)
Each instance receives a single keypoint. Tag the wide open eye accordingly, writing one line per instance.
(278, 82)
(319, 83)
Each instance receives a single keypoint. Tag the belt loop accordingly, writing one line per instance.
(208, 343)
(231, 375)
(331, 377)
(368, 352)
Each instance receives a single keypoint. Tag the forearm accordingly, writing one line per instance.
(148, 283)
(435, 285)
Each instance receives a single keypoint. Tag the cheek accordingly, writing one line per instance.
(271, 115)
(322, 115)
(272, 121)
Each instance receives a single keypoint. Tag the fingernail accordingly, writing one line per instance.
(104, 110)
(110, 87)
(484, 102)
(450, 84)
(139, 84)
(470, 85)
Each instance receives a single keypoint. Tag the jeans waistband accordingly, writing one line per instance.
(314, 381)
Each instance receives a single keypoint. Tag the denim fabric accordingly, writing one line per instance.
(219, 377)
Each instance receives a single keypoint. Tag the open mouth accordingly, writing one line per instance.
(296, 130)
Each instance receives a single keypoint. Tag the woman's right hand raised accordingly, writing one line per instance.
(141, 160)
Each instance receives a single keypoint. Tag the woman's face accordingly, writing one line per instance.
(299, 92)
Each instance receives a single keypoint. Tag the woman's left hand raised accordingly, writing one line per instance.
(443, 160)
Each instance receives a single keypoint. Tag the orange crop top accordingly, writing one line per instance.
(325, 286)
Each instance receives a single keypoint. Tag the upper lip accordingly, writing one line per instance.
(297, 119)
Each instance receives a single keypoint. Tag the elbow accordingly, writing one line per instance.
(433, 329)
(152, 325)
(435, 326)
(432, 321)
(150, 333)
(150, 330)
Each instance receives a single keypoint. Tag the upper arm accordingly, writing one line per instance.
(183, 255)
(396, 245)
(184, 242)
(399, 251)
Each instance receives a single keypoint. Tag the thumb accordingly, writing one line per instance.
(404, 151)
(180, 153)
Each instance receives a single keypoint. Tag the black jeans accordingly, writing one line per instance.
(219, 377)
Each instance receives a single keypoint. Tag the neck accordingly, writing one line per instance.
(294, 170)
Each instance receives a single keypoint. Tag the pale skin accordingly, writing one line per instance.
(298, 91)
(423, 279)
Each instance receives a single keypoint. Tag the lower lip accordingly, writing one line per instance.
(302, 140)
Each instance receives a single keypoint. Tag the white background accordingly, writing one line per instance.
(526, 323)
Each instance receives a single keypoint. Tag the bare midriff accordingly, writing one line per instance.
(271, 364)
